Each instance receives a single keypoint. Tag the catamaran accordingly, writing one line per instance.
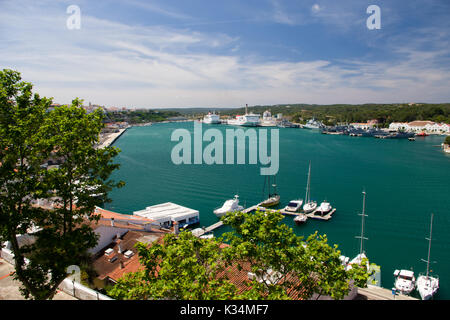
(427, 285)
(309, 205)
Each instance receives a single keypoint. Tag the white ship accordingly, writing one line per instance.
(313, 124)
(211, 118)
(246, 120)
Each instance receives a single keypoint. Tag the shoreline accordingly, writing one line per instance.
(112, 137)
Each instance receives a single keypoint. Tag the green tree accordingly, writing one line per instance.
(292, 264)
(447, 140)
(182, 267)
(30, 134)
(284, 266)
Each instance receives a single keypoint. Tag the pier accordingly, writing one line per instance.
(311, 215)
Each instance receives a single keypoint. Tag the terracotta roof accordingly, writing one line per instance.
(112, 269)
(420, 123)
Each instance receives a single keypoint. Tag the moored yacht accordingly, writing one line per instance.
(300, 219)
(324, 208)
(426, 284)
(229, 206)
(405, 281)
(309, 205)
(273, 198)
(294, 205)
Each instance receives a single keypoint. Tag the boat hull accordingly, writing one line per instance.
(272, 201)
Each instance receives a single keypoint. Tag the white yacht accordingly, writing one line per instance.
(427, 285)
(405, 281)
(300, 219)
(324, 208)
(309, 205)
(294, 205)
(211, 118)
(246, 120)
(229, 206)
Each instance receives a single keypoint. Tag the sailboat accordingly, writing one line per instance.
(309, 205)
(361, 255)
(427, 285)
(273, 198)
(373, 269)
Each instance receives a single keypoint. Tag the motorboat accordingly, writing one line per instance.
(211, 118)
(426, 284)
(229, 206)
(324, 208)
(309, 205)
(405, 281)
(294, 205)
(300, 219)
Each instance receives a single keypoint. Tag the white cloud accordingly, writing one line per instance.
(112, 63)
(315, 8)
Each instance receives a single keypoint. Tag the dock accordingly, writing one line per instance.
(378, 293)
(310, 215)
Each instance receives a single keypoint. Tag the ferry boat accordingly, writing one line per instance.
(229, 206)
(426, 284)
(246, 120)
(211, 118)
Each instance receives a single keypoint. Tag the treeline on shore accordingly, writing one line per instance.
(328, 114)
(140, 116)
(340, 113)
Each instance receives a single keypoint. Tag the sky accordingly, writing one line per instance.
(198, 53)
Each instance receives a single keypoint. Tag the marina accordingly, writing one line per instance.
(341, 167)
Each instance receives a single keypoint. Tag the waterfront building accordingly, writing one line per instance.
(419, 126)
(364, 126)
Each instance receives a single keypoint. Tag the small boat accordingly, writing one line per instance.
(323, 209)
(273, 198)
(405, 281)
(412, 139)
(229, 206)
(208, 235)
(294, 205)
(427, 285)
(309, 205)
(300, 219)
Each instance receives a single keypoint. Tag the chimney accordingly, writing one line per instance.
(120, 247)
(122, 265)
(112, 222)
(176, 229)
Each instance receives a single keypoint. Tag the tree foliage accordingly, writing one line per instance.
(284, 265)
(30, 135)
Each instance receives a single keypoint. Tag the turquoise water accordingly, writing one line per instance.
(405, 182)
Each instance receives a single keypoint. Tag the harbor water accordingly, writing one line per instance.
(405, 182)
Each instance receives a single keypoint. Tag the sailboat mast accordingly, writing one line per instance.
(307, 184)
(429, 245)
(362, 238)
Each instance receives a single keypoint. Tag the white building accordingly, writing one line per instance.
(167, 213)
(419, 126)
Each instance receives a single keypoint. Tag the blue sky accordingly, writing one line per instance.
(228, 53)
